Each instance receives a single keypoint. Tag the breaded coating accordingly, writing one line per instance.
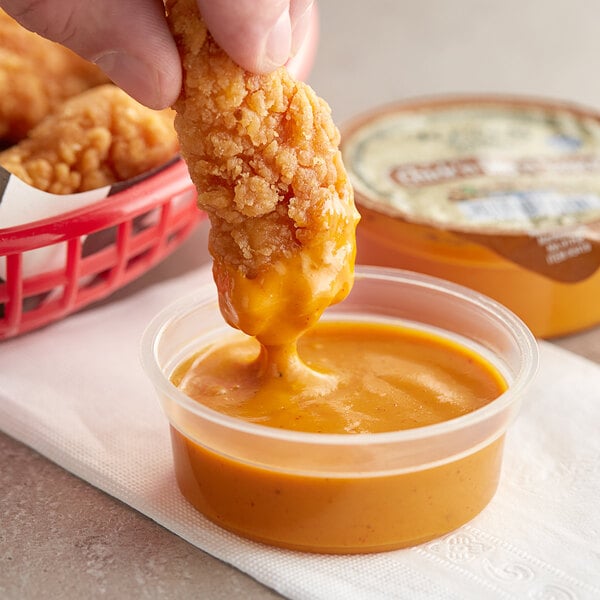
(100, 137)
(36, 75)
(263, 153)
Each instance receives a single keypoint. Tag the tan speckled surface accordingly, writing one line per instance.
(61, 538)
(65, 538)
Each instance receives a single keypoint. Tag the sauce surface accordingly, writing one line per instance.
(348, 377)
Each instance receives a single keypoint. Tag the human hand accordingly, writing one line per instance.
(130, 41)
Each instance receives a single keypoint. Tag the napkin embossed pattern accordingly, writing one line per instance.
(76, 393)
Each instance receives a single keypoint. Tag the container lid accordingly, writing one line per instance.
(491, 168)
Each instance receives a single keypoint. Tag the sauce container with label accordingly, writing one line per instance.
(345, 493)
(499, 194)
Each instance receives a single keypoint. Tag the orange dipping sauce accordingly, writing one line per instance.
(374, 378)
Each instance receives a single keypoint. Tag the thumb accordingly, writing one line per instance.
(129, 41)
(260, 35)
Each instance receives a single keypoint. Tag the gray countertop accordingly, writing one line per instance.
(60, 537)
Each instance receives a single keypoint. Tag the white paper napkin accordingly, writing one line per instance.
(76, 393)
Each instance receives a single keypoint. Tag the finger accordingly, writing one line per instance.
(129, 40)
(257, 34)
(301, 14)
(303, 56)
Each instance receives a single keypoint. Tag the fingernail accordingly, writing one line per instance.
(133, 75)
(278, 43)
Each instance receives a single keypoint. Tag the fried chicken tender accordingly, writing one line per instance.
(99, 137)
(36, 75)
(263, 153)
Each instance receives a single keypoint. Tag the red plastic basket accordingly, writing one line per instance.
(104, 246)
